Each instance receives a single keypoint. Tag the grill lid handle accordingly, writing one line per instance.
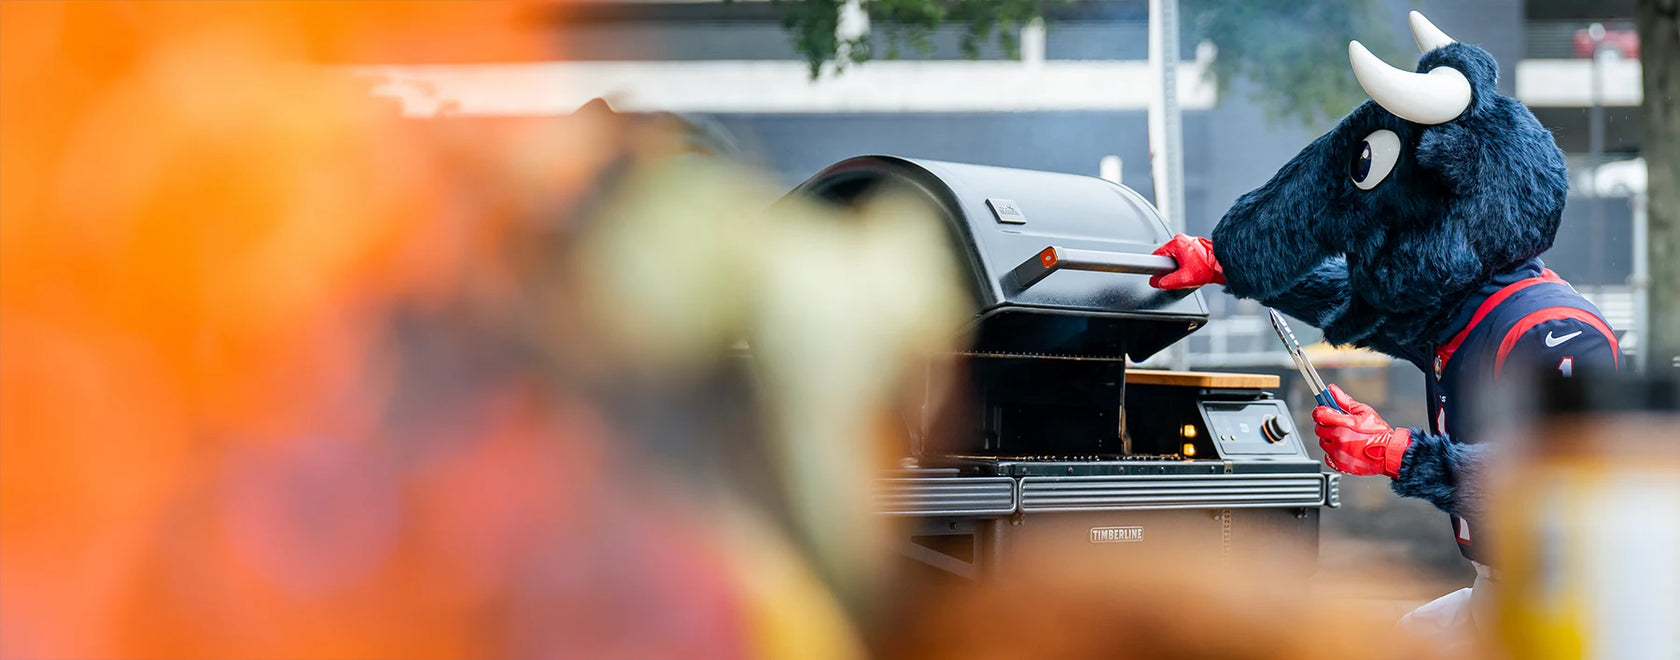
(1054, 258)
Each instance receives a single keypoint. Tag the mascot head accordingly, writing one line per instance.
(1421, 194)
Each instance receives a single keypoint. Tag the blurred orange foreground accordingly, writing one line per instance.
(207, 449)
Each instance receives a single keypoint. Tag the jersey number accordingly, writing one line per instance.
(1567, 367)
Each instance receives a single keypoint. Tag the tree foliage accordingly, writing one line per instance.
(902, 23)
(1292, 54)
(1279, 46)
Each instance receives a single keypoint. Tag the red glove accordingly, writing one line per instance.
(1358, 442)
(1196, 264)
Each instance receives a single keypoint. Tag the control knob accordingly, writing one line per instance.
(1273, 429)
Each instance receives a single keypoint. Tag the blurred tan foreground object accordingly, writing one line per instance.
(692, 255)
(1207, 611)
(1591, 552)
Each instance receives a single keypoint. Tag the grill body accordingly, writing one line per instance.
(1053, 447)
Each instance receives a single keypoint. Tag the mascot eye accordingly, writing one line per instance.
(1375, 159)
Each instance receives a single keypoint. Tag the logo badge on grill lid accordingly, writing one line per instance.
(1116, 534)
(1007, 210)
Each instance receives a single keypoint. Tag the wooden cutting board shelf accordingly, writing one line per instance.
(1213, 379)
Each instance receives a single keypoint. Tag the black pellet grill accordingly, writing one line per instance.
(1049, 447)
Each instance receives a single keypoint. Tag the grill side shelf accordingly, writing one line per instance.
(1175, 492)
(945, 496)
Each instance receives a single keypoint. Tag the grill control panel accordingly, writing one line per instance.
(1251, 428)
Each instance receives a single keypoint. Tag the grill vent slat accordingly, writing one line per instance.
(1157, 492)
(998, 495)
(935, 496)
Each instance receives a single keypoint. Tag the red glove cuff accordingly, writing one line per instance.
(1395, 453)
(1218, 270)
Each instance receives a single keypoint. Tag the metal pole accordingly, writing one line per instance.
(1163, 15)
(852, 23)
(1167, 131)
(1641, 281)
(1109, 168)
(1032, 43)
(1595, 150)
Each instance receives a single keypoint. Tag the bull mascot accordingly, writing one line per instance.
(1413, 228)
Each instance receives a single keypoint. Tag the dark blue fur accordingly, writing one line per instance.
(1386, 268)
(1439, 471)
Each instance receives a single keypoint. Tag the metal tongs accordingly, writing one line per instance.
(1314, 383)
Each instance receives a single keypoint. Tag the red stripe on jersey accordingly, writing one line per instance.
(1527, 323)
(1445, 351)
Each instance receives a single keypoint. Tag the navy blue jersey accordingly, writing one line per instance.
(1531, 322)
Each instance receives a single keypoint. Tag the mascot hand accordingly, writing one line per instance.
(1358, 442)
(1196, 265)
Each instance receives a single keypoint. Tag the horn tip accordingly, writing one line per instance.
(1427, 36)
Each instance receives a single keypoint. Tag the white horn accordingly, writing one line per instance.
(1427, 36)
(1436, 97)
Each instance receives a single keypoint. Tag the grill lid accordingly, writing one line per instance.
(1059, 263)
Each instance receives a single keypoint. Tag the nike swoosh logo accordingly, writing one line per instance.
(1552, 342)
